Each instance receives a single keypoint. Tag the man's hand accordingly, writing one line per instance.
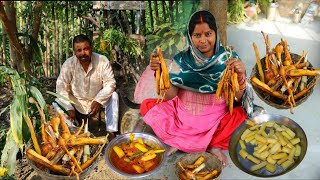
(72, 114)
(95, 107)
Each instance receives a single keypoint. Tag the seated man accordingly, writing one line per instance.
(87, 79)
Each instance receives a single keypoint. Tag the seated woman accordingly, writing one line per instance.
(190, 118)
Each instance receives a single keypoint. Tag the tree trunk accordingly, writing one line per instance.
(46, 28)
(21, 59)
(67, 30)
(143, 19)
(151, 16)
(78, 19)
(219, 9)
(45, 54)
(55, 42)
(4, 45)
(126, 22)
(157, 12)
(106, 19)
(98, 18)
(72, 21)
(176, 3)
(8, 18)
(21, 20)
(61, 40)
(171, 13)
(164, 11)
(35, 31)
(132, 21)
(2, 60)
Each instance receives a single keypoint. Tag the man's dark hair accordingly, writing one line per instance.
(81, 38)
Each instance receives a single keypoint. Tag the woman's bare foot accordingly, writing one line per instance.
(172, 150)
(220, 155)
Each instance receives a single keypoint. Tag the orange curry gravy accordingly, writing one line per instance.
(126, 167)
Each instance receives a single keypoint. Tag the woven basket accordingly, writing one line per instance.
(211, 162)
(276, 102)
(50, 175)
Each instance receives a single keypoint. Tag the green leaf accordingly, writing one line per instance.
(39, 98)
(16, 121)
(172, 32)
(9, 153)
(171, 42)
(180, 45)
(4, 110)
(60, 96)
(165, 25)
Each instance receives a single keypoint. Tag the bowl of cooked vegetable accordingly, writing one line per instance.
(199, 165)
(135, 155)
(268, 145)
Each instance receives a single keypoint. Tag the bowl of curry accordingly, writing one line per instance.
(135, 155)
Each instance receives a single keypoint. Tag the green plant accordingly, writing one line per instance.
(169, 37)
(112, 38)
(18, 133)
(264, 5)
(235, 11)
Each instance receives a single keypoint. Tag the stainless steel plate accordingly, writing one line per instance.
(244, 164)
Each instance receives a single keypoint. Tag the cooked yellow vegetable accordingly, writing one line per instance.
(242, 145)
(271, 167)
(254, 127)
(298, 150)
(139, 169)
(285, 134)
(275, 148)
(250, 123)
(258, 166)
(282, 160)
(280, 137)
(131, 137)
(295, 141)
(118, 151)
(270, 160)
(290, 132)
(291, 154)
(243, 153)
(279, 156)
(286, 164)
(248, 139)
(253, 159)
(140, 147)
(247, 131)
(159, 151)
(263, 147)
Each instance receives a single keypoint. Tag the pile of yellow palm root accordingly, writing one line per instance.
(283, 78)
(162, 77)
(60, 151)
(228, 85)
